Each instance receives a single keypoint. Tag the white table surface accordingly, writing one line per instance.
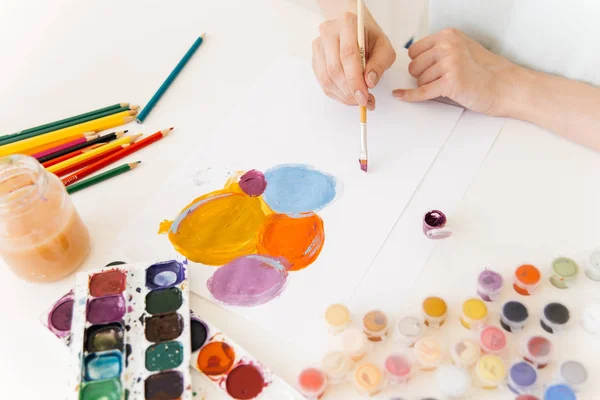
(535, 197)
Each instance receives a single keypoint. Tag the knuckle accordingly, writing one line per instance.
(412, 68)
(349, 17)
(334, 71)
(450, 33)
(348, 52)
(325, 81)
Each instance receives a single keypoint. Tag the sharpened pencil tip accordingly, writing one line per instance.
(202, 35)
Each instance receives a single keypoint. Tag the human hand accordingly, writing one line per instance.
(336, 59)
(450, 64)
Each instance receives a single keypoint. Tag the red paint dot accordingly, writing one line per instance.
(245, 382)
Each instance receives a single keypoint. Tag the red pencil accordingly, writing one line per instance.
(105, 161)
(82, 164)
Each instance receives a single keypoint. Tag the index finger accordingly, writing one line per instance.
(421, 46)
(351, 61)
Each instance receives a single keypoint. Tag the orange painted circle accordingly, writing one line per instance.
(216, 358)
(528, 274)
(298, 240)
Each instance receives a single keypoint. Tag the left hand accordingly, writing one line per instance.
(450, 64)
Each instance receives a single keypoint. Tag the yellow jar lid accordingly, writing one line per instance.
(435, 307)
(337, 315)
(475, 309)
(491, 368)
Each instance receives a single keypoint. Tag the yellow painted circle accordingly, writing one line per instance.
(435, 307)
(368, 377)
(491, 368)
(337, 315)
(475, 309)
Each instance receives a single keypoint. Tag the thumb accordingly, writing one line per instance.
(381, 59)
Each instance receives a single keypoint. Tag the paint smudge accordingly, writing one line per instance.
(293, 189)
(248, 281)
(253, 183)
(298, 240)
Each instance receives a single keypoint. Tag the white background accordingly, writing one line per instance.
(535, 197)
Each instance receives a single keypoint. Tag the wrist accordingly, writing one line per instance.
(517, 92)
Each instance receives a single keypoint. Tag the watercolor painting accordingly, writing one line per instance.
(256, 230)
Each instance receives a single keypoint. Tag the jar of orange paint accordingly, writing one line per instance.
(42, 237)
(435, 311)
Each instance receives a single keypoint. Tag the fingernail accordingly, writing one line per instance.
(373, 78)
(398, 93)
(360, 98)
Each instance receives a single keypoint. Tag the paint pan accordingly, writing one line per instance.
(338, 318)
(429, 353)
(465, 352)
(555, 317)
(368, 379)
(435, 311)
(434, 225)
(407, 331)
(59, 316)
(592, 266)
(375, 325)
(490, 371)
(537, 350)
(474, 314)
(522, 377)
(527, 397)
(559, 392)
(572, 373)
(492, 339)
(354, 343)
(513, 316)
(231, 368)
(336, 365)
(454, 382)
(564, 272)
(131, 333)
(397, 368)
(312, 383)
(590, 318)
(526, 279)
(489, 285)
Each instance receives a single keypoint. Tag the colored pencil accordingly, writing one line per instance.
(101, 139)
(17, 137)
(102, 177)
(163, 88)
(363, 158)
(89, 154)
(116, 157)
(72, 154)
(43, 147)
(62, 121)
(96, 125)
(64, 173)
(83, 140)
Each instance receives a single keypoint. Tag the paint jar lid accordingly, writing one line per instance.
(398, 365)
(559, 392)
(538, 349)
(429, 352)
(527, 276)
(465, 352)
(375, 322)
(492, 339)
(527, 397)
(474, 309)
(368, 378)
(337, 315)
(454, 382)
(522, 375)
(354, 341)
(514, 311)
(336, 365)
(435, 307)
(573, 373)
(490, 282)
(565, 268)
(594, 260)
(312, 382)
(490, 370)
(409, 327)
(555, 315)
(590, 318)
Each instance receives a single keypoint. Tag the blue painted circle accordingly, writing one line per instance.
(559, 392)
(293, 189)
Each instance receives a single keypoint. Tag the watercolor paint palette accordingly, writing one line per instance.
(231, 368)
(130, 333)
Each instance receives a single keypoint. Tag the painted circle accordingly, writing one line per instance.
(523, 374)
(515, 311)
(556, 313)
(491, 368)
(253, 183)
(248, 281)
(218, 228)
(336, 364)
(368, 377)
(539, 346)
(559, 392)
(312, 381)
(375, 321)
(564, 267)
(216, 358)
(297, 240)
(528, 274)
(165, 278)
(573, 372)
(466, 352)
(409, 327)
(492, 338)
(595, 260)
(490, 281)
(398, 365)
(198, 333)
(244, 382)
(428, 350)
(337, 315)
(435, 307)
(61, 316)
(454, 381)
(474, 309)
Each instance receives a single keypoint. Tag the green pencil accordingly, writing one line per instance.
(102, 177)
(62, 121)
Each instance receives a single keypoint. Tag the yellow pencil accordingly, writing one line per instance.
(92, 153)
(96, 125)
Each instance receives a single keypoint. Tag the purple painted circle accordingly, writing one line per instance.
(60, 317)
(253, 183)
(490, 281)
(249, 281)
(523, 374)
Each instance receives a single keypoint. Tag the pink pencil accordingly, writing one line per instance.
(64, 146)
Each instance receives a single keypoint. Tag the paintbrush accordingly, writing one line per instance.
(364, 157)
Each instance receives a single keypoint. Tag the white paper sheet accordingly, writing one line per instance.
(286, 119)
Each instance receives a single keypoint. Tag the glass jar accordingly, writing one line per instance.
(42, 237)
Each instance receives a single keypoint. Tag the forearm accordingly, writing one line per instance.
(567, 107)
